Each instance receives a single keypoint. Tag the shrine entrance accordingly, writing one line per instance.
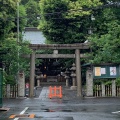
(77, 56)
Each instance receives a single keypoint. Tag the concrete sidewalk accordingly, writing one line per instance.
(44, 93)
(68, 94)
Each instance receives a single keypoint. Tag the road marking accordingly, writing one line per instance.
(116, 112)
(22, 113)
(16, 119)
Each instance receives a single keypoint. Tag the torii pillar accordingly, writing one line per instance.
(78, 73)
(32, 74)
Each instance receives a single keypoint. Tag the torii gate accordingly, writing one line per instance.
(77, 47)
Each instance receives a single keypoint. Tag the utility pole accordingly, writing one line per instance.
(18, 29)
(18, 21)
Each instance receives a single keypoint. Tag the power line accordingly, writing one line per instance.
(109, 5)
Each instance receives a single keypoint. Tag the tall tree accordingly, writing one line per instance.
(7, 17)
(61, 21)
(106, 40)
(8, 39)
(32, 10)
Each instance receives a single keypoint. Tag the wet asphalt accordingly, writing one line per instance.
(70, 107)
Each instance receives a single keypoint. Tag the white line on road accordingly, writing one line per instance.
(22, 113)
(116, 112)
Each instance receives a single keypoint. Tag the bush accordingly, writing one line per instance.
(118, 81)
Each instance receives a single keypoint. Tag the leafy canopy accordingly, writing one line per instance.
(58, 19)
(106, 41)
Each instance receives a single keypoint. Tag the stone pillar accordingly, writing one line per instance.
(78, 73)
(113, 88)
(55, 51)
(67, 74)
(21, 84)
(32, 74)
(38, 81)
(67, 81)
(74, 79)
(89, 83)
(8, 90)
(103, 90)
(73, 75)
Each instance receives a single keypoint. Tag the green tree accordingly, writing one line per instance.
(8, 39)
(62, 22)
(106, 41)
(32, 10)
(13, 62)
(7, 17)
(66, 21)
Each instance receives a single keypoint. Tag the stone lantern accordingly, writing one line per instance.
(73, 75)
(67, 76)
(38, 77)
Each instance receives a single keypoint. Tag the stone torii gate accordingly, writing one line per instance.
(77, 47)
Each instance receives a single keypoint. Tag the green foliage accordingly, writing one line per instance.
(104, 81)
(22, 15)
(77, 7)
(106, 41)
(7, 13)
(118, 81)
(32, 10)
(107, 82)
(9, 48)
(11, 58)
(58, 20)
(53, 28)
(23, 2)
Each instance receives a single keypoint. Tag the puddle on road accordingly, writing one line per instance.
(54, 118)
(60, 110)
(84, 110)
(59, 101)
(48, 110)
(66, 110)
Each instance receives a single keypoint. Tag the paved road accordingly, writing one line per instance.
(70, 107)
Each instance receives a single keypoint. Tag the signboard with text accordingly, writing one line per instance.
(106, 71)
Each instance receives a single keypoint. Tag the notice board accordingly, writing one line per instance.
(106, 71)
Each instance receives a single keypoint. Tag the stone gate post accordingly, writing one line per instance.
(8, 90)
(21, 84)
(89, 83)
(103, 90)
(113, 88)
